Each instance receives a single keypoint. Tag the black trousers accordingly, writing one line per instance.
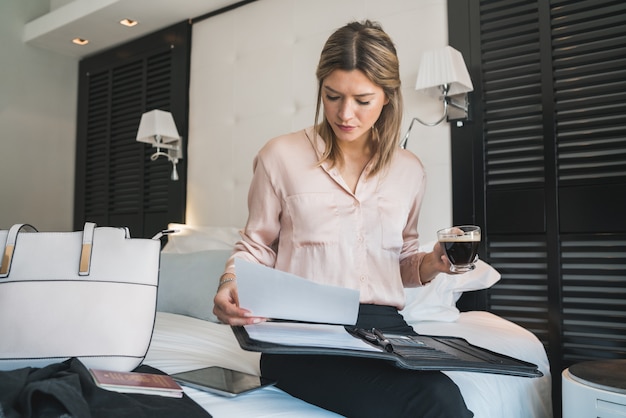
(360, 387)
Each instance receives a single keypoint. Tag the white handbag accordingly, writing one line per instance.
(89, 294)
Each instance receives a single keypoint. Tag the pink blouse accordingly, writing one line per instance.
(303, 219)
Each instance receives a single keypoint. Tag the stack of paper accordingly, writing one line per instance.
(274, 294)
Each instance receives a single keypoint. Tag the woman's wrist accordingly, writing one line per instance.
(428, 269)
(226, 278)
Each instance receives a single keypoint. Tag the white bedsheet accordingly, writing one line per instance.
(498, 396)
(182, 343)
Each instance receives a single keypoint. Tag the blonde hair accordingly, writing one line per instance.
(366, 47)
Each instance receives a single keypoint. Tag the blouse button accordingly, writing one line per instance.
(363, 278)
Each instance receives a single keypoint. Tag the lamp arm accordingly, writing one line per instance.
(158, 154)
(405, 139)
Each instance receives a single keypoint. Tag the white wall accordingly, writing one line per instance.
(38, 93)
(253, 77)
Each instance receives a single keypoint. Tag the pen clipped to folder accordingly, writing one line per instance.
(374, 336)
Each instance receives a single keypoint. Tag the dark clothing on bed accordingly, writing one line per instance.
(360, 387)
(67, 390)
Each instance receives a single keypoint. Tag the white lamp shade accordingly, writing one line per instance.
(443, 66)
(157, 123)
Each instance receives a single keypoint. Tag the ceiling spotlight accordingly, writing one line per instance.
(80, 41)
(128, 22)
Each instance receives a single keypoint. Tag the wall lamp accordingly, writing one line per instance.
(157, 128)
(442, 74)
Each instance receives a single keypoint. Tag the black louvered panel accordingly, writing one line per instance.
(511, 81)
(155, 188)
(158, 96)
(521, 295)
(594, 297)
(158, 86)
(125, 164)
(554, 93)
(97, 144)
(589, 57)
(156, 192)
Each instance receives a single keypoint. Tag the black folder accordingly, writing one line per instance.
(417, 352)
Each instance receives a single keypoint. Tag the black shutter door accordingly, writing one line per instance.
(514, 155)
(548, 152)
(589, 61)
(554, 140)
(117, 183)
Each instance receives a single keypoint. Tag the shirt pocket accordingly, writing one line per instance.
(392, 219)
(315, 219)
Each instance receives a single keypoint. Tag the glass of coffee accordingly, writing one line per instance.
(461, 246)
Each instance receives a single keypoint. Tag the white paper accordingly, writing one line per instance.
(271, 293)
(306, 335)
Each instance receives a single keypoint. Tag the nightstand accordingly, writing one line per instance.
(595, 389)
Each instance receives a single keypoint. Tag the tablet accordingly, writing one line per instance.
(221, 381)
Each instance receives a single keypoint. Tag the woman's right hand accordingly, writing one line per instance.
(226, 307)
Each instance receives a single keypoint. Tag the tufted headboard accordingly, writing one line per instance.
(253, 78)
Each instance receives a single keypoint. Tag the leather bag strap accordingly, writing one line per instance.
(86, 248)
(9, 246)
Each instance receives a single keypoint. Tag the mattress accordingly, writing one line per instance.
(182, 343)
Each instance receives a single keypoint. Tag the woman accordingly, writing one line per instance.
(338, 204)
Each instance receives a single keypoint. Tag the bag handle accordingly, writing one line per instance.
(9, 246)
(84, 265)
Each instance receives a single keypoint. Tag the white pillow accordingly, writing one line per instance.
(436, 301)
(189, 238)
(188, 282)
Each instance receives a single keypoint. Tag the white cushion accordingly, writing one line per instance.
(188, 282)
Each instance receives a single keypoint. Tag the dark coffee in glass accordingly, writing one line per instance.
(461, 246)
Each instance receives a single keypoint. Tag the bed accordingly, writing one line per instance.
(187, 335)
